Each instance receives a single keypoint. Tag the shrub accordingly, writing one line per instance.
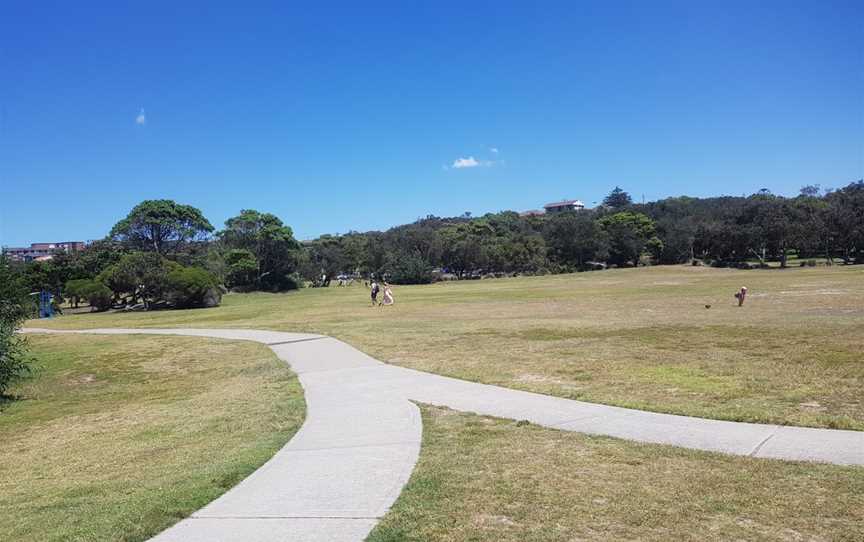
(98, 295)
(292, 281)
(15, 307)
(189, 287)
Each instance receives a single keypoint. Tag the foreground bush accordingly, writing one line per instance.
(15, 307)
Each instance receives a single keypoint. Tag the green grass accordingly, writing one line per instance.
(632, 337)
(485, 479)
(116, 438)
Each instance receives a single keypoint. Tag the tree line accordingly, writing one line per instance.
(166, 254)
(724, 231)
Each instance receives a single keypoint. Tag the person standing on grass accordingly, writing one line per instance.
(388, 295)
(374, 292)
(740, 295)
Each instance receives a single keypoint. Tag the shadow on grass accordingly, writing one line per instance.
(7, 399)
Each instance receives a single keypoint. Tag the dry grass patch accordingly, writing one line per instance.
(118, 437)
(485, 479)
(633, 337)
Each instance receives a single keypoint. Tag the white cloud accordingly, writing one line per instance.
(460, 163)
(493, 150)
(141, 119)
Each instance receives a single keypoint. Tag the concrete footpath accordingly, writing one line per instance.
(361, 438)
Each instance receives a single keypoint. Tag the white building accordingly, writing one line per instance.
(566, 205)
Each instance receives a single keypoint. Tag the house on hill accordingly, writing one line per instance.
(566, 205)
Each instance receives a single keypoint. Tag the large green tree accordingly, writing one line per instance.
(617, 198)
(630, 234)
(769, 222)
(162, 226)
(574, 239)
(463, 246)
(271, 243)
(142, 276)
(844, 220)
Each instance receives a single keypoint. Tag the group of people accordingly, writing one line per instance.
(387, 298)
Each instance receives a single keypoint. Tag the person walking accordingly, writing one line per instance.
(740, 295)
(388, 295)
(374, 292)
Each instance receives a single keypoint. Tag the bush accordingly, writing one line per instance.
(189, 287)
(292, 281)
(15, 306)
(98, 295)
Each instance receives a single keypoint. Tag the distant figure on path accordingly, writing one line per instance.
(374, 292)
(388, 295)
(740, 295)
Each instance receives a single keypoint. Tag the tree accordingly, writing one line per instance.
(15, 307)
(98, 295)
(157, 282)
(327, 256)
(629, 236)
(242, 268)
(408, 269)
(810, 190)
(75, 290)
(421, 238)
(510, 244)
(463, 246)
(844, 221)
(161, 226)
(617, 199)
(574, 239)
(141, 275)
(277, 254)
(809, 227)
(769, 224)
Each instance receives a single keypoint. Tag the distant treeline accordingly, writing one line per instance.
(167, 254)
(721, 231)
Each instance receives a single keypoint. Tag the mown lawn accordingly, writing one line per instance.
(633, 337)
(117, 437)
(484, 479)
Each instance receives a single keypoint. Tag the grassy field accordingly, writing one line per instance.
(116, 438)
(633, 337)
(484, 479)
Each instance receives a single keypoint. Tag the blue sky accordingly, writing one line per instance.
(340, 116)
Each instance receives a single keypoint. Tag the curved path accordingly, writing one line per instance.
(347, 464)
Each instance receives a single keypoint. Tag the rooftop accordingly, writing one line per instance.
(565, 203)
